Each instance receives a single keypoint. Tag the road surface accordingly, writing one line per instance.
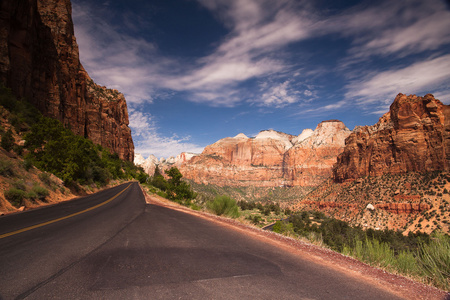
(112, 245)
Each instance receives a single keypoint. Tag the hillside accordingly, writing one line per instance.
(391, 175)
(42, 162)
(39, 61)
(406, 202)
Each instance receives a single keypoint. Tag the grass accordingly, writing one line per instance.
(434, 261)
(224, 205)
(431, 262)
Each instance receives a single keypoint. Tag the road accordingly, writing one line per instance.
(127, 249)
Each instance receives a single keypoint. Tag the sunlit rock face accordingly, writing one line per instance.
(39, 61)
(149, 164)
(270, 159)
(414, 136)
(310, 161)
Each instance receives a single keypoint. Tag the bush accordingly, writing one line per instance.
(20, 184)
(27, 164)
(434, 261)
(283, 227)
(41, 192)
(255, 219)
(224, 205)
(45, 178)
(7, 141)
(6, 168)
(15, 196)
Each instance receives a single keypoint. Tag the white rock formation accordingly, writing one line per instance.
(149, 164)
(275, 135)
(306, 133)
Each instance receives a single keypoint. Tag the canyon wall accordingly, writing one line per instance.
(414, 136)
(270, 159)
(39, 61)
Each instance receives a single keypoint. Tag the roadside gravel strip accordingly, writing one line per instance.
(396, 284)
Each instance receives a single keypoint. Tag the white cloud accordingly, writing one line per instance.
(148, 141)
(136, 68)
(117, 60)
(280, 95)
(397, 28)
(426, 76)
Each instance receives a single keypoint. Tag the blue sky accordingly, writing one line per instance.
(196, 71)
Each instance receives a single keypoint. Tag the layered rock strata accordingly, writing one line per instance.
(39, 61)
(414, 136)
(270, 159)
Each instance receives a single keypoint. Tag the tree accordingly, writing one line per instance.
(7, 142)
(175, 176)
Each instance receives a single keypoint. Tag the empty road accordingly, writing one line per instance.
(112, 245)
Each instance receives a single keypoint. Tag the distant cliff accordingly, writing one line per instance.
(270, 159)
(414, 136)
(39, 61)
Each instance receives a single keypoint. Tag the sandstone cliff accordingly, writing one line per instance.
(270, 159)
(310, 162)
(39, 61)
(414, 136)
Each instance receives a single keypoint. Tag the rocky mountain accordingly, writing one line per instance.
(414, 136)
(150, 163)
(270, 159)
(39, 61)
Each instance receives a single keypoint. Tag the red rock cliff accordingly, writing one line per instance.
(414, 136)
(39, 61)
(270, 159)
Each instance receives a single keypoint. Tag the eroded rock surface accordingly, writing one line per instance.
(39, 61)
(270, 159)
(414, 136)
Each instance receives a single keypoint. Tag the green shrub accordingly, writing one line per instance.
(162, 194)
(41, 192)
(434, 261)
(45, 178)
(20, 184)
(256, 219)
(406, 263)
(7, 141)
(6, 168)
(27, 164)
(283, 227)
(224, 205)
(15, 196)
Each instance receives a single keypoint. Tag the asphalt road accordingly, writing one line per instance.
(127, 249)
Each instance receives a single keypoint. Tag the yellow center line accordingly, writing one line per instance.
(63, 218)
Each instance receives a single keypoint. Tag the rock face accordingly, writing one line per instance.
(270, 159)
(150, 163)
(39, 61)
(403, 208)
(310, 162)
(414, 136)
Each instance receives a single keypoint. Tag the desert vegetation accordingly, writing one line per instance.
(418, 255)
(40, 156)
(173, 188)
(349, 201)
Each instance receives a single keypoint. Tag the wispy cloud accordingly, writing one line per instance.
(257, 28)
(140, 71)
(397, 28)
(148, 140)
(280, 95)
(118, 60)
(252, 64)
(380, 88)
